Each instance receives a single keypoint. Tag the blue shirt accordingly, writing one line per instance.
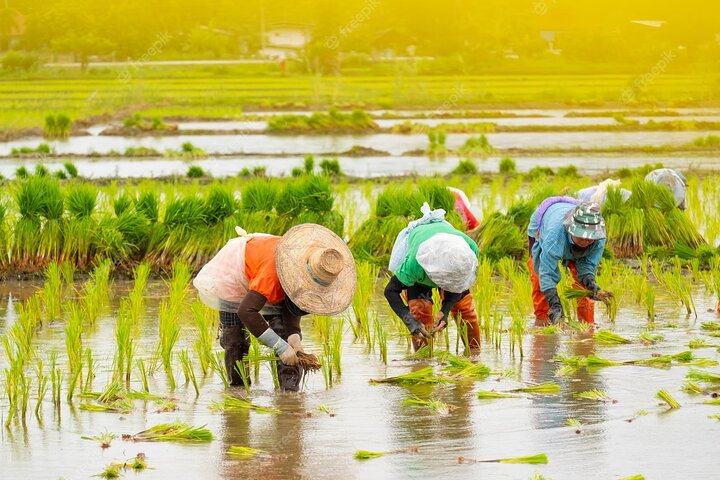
(553, 246)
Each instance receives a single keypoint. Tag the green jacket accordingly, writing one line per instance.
(410, 272)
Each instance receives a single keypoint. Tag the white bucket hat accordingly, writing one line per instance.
(449, 262)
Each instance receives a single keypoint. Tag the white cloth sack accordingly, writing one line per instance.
(400, 248)
(221, 283)
(673, 180)
(449, 262)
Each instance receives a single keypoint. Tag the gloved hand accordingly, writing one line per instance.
(414, 326)
(295, 342)
(588, 281)
(288, 356)
(556, 312)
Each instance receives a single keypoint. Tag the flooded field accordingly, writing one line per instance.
(629, 432)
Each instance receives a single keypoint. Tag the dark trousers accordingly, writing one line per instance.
(235, 340)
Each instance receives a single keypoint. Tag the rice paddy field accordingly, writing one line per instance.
(114, 193)
(111, 365)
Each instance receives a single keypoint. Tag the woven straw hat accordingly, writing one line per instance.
(316, 269)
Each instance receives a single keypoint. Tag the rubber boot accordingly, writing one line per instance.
(467, 317)
(422, 311)
(234, 340)
(289, 377)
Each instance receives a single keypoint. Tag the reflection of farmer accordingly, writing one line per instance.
(264, 283)
(563, 229)
(431, 253)
(672, 179)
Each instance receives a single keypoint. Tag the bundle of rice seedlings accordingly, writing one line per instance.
(548, 388)
(665, 397)
(309, 362)
(633, 477)
(597, 362)
(710, 326)
(368, 454)
(244, 452)
(104, 439)
(703, 376)
(692, 388)
(715, 401)
(573, 422)
(593, 394)
(464, 368)
(172, 432)
(233, 403)
(111, 471)
(715, 416)
(700, 343)
(123, 405)
(647, 338)
(326, 409)
(664, 360)
(608, 337)
(540, 459)
(498, 237)
(490, 394)
(423, 376)
(374, 239)
(436, 405)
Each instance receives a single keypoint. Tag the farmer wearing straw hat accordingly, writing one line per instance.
(672, 179)
(263, 284)
(563, 229)
(436, 255)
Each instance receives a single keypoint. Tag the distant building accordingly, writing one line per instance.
(285, 40)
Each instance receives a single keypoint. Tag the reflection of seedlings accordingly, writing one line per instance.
(667, 398)
(244, 452)
(105, 439)
(367, 454)
(533, 460)
(438, 406)
(172, 432)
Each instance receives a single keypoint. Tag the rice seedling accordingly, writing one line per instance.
(188, 371)
(143, 375)
(460, 368)
(380, 337)
(169, 333)
(692, 388)
(593, 394)
(592, 361)
(366, 276)
(634, 477)
(230, 403)
(647, 338)
(42, 384)
(104, 439)
(52, 292)
(111, 471)
(573, 422)
(125, 344)
(90, 376)
(136, 298)
(608, 337)
(667, 398)
(73, 344)
(436, 405)
(218, 364)
(368, 454)
(326, 409)
(56, 378)
(542, 389)
(172, 432)
(121, 405)
(487, 395)
(244, 452)
(698, 342)
(539, 459)
(710, 326)
(703, 376)
(424, 375)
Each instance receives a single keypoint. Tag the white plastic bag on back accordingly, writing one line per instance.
(400, 248)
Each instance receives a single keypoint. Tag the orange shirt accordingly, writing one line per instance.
(260, 268)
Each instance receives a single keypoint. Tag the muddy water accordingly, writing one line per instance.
(318, 144)
(678, 444)
(379, 166)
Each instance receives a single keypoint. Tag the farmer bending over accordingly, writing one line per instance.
(563, 229)
(264, 283)
(429, 254)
